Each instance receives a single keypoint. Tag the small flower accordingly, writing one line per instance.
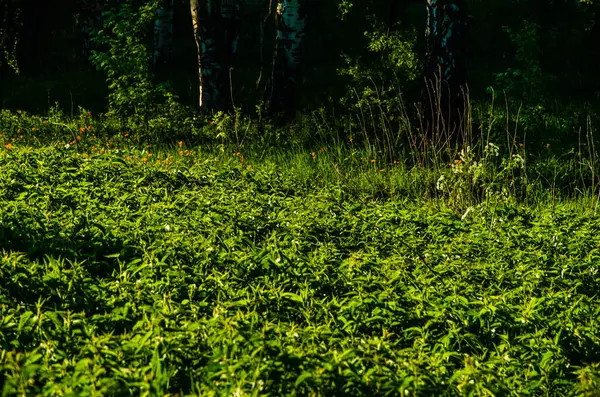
(67, 146)
(81, 129)
(167, 228)
(9, 146)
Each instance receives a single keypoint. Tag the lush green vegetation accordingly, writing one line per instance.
(299, 197)
(133, 270)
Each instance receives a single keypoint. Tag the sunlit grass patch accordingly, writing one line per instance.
(131, 267)
(164, 274)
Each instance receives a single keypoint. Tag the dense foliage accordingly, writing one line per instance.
(299, 197)
(130, 271)
(363, 59)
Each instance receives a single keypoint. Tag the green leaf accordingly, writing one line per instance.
(25, 317)
(292, 296)
(303, 377)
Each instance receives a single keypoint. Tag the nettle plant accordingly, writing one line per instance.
(124, 55)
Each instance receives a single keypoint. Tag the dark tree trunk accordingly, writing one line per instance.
(290, 24)
(163, 34)
(265, 34)
(216, 30)
(445, 69)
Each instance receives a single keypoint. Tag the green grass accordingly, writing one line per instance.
(288, 274)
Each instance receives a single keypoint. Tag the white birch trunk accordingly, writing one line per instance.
(216, 30)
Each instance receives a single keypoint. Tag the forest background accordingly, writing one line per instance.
(363, 69)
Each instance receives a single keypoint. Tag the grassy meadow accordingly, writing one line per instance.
(129, 269)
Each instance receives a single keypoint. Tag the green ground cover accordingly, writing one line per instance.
(125, 271)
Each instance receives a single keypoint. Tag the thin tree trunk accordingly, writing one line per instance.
(216, 30)
(260, 86)
(194, 6)
(202, 11)
(290, 26)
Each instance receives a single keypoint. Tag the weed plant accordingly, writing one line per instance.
(129, 268)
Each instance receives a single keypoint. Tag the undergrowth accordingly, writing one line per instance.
(490, 164)
(135, 268)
